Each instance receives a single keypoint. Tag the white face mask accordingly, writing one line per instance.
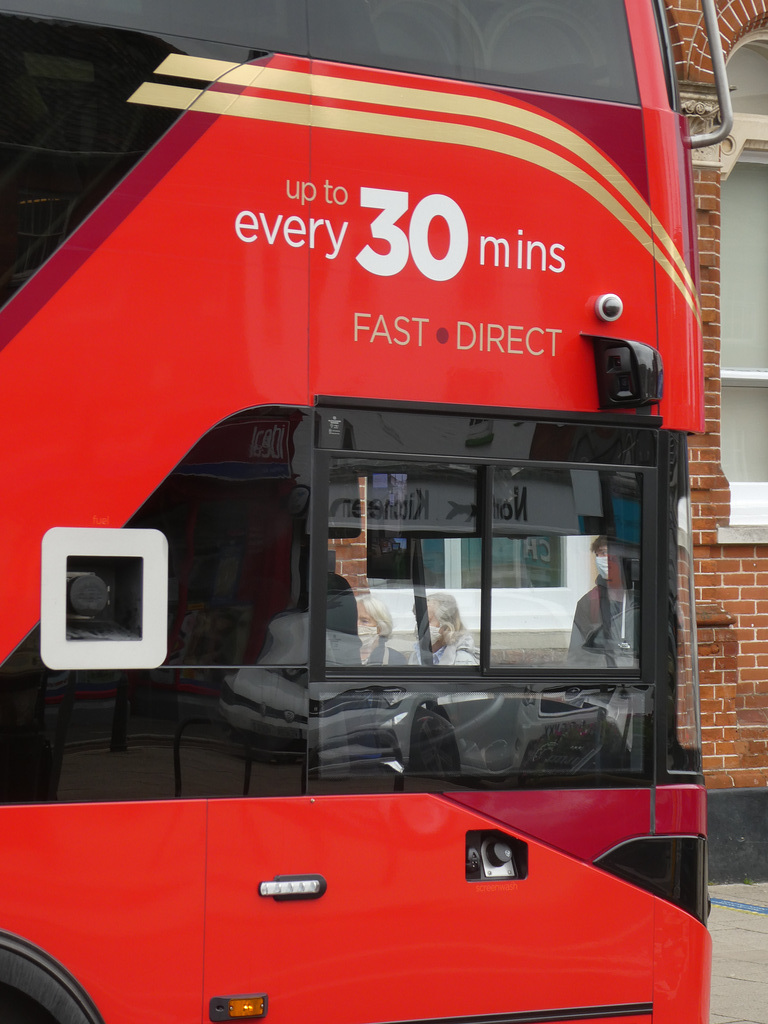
(368, 635)
(601, 561)
(435, 635)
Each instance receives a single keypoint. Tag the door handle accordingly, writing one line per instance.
(294, 887)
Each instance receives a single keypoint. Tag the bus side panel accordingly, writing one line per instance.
(168, 325)
(679, 311)
(115, 893)
(671, 199)
(581, 822)
(478, 239)
(400, 934)
(681, 809)
(683, 965)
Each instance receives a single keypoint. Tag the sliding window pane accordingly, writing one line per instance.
(566, 568)
(405, 550)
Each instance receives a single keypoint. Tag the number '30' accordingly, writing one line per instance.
(393, 206)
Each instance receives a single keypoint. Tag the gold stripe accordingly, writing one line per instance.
(362, 122)
(256, 107)
(175, 96)
(482, 138)
(429, 101)
(206, 69)
(275, 79)
(514, 117)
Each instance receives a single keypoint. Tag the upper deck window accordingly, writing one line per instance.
(202, 27)
(573, 47)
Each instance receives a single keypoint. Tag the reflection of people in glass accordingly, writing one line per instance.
(603, 632)
(374, 627)
(452, 644)
(342, 644)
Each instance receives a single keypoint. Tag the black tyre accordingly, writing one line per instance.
(16, 1008)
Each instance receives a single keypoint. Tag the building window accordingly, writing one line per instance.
(744, 298)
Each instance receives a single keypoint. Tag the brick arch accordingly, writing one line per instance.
(678, 44)
(735, 23)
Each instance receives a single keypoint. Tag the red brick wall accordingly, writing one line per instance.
(736, 18)
(731, 580)
(351, 555)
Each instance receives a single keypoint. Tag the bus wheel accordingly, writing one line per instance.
(434, 750)
(16, 1008)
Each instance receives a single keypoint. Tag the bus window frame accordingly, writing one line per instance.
(668, 60)
(647, 671)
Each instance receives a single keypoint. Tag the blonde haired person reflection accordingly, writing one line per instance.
(374, 627)
(452, 643)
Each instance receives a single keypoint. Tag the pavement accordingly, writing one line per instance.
(739, 927)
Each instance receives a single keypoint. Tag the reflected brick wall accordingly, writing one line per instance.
(731, 574)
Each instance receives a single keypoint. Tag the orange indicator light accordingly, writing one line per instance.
(251, 1007)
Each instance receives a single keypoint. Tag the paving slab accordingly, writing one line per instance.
(739, 927)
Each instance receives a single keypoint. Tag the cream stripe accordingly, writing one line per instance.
(207, 69)
(245, 75)
(174, 96)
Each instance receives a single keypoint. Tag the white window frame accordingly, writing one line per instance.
(747, 143)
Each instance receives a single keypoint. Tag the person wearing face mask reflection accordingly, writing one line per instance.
(603, 628)
(452, 643)
(374, 627)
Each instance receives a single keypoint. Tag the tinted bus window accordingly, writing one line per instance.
(571, 596)
(226, 715)
(684, 724)
(413, 519)
(68, 133)
(413, 734)
(564, 574)
(573, 47)
(270, 25)
(443, 574)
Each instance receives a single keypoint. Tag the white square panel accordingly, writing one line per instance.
(119, 650)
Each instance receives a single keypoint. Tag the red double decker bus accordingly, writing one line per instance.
(349, 351)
